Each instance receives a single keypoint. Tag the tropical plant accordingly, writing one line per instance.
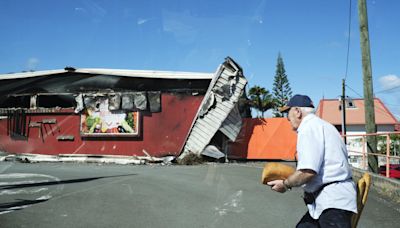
(260, 99)
(394, 147)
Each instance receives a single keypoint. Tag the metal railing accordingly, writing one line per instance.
(387, 142)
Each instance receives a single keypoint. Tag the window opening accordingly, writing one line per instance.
(52, 101)
(16, 102)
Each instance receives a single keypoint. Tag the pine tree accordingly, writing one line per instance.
(281, 88)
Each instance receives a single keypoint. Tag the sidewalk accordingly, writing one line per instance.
(85, 158)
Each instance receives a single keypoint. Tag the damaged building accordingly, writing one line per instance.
(121, 112)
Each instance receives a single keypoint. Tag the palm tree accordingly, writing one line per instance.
(267, 102)
(260, 99)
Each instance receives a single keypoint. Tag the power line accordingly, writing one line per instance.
(395, 105)
(385, 90)
(354, 91)
(378, 109)
(348, 42)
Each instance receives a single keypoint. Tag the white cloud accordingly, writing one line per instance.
(389, 93)
(80, 9)
(389, 81)
(32, 63)
(141, 21)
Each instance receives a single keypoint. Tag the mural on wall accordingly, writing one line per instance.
(103, 117)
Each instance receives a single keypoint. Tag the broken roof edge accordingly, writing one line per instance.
(114, 72)
(228, 63)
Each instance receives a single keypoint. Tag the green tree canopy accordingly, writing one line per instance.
(260, 99)
(281, 87)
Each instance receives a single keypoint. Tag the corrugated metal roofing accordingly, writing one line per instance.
(114, 72)
(218, 109)
(232, 124)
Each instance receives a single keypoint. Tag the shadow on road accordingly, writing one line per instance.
(24, 203)
(47, 183)
(20, 204)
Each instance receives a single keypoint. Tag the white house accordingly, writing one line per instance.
(331, 111)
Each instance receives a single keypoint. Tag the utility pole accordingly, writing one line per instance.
(344, 111)
(370, 125)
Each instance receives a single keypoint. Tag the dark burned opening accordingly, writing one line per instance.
(51, 101)
(15, 102)
(16, 124)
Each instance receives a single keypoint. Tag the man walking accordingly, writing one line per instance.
(322, 169)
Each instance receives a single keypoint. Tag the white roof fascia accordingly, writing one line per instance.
(30, 74)
(115, 72)
(147, 73)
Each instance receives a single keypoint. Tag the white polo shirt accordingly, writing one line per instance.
(321, 148)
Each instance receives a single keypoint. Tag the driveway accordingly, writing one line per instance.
(210, 195)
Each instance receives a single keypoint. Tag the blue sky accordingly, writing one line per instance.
(189, 35)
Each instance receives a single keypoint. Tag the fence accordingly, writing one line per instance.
(388, 150)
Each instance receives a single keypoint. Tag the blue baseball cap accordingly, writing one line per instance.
(297, 101)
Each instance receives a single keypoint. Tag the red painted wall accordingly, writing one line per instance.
(161, 133)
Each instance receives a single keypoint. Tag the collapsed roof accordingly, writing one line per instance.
(79, 80)
(218, 110)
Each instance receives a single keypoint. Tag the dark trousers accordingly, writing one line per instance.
(329, 218)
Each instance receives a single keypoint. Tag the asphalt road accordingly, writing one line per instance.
(212, 195)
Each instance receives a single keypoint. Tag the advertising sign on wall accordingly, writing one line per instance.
(101, 121)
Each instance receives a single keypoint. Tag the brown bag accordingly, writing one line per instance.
(276, 171)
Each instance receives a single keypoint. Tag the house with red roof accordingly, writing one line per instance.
(330, 110)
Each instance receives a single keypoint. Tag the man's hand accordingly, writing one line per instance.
(277, 185)
(298, 178)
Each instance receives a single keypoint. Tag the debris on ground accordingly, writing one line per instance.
(191, 159)
(88, 158)
(213, 152)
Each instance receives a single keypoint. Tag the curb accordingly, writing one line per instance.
(86, 158)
